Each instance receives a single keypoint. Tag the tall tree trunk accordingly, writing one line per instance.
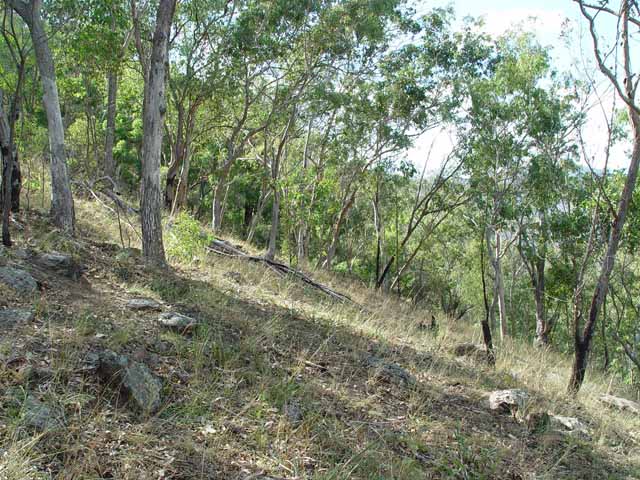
(538, 281)
(495, 259)
(153, 113)
(486, 326)
(177, 158)
(275, 224)
(335, 236)
(62, 209)
(110, 133)
(582, 340)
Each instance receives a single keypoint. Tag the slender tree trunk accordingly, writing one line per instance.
(335, 236)
(153, 113)
(218, 199)
(583, 340)
(494, 258)
(538, 281)
(62, 210)
(275, 223)
(110, 133)
(486, 326)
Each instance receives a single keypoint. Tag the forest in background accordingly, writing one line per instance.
(287, 124)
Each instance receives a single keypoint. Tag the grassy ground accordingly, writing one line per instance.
(276, 382)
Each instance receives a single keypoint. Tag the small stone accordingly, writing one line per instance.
(19, 280)
(235, 277)
(39, 415)
(508, 400)
(293, 412)
(140, 384)
(621, 403)
(389, 371)
(177, 321)
(11, 317)
(143, 304)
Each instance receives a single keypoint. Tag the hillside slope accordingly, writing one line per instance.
(268, 379)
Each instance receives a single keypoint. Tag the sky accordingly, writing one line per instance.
(549, 20)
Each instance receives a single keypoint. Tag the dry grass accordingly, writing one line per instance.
(268, 344)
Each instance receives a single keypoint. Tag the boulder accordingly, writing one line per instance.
(569, 425)
(390, 372)
(60, 263)
(177, 322)
(19, 280)
(39, 415)
(508, 400)
(11, 317)
(134, 378)
(143, 304)
(621, 404)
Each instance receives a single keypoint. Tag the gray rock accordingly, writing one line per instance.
(19, 280)
(508, 400)
(143, 304)
(389, 371)
(11, 317)
(60, 263)
(135, 379)
(39, 415)
(621, 404)
(293, 412)
(177, 321)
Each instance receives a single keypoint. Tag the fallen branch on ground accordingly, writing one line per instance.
(224, 248)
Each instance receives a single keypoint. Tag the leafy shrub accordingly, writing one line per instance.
(186, 240)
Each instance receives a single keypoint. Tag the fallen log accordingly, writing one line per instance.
(221, 247)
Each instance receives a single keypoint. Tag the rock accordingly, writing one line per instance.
(389, 371)
(508, 400)
(293, 412)
(60, 263)
(468, 350)
(10, 317)
(621, 403)
(39, 415)
(136, 380)
(177, 321)
(235, 277)
(569, 425)
(19, 280)
(143, 304)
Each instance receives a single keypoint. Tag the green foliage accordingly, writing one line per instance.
(186, 240)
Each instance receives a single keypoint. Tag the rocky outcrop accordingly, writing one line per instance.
(11, 317)
(135, 379)
(508, 400)
(20, 280)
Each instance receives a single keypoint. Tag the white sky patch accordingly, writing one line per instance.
(548, 24)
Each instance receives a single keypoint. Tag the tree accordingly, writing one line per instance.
(154, 110)
(625, 82)
(62, 209)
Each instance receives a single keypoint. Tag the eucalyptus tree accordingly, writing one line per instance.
(624, 79)
(497, 147)
(62, 209)
(154, 109)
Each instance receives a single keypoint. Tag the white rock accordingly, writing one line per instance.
(621, 403)
(508, 399)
